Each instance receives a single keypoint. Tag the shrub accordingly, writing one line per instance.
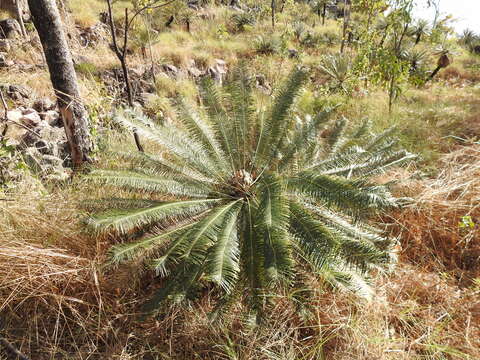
(250, 196)
(242, 21)
(268, 45)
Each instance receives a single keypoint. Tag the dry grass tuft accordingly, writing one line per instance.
(441, 230)
(50, 299)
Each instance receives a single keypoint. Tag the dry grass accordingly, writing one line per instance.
(50, 299)
(440, 230)
(55, 300)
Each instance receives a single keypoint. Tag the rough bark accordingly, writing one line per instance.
(19, 15)
(46, 19)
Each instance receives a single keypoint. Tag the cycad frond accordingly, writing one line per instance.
(273, 221)
(200, 130)
(160, 184)
(222, 263)
(124, 221)
(277, 122)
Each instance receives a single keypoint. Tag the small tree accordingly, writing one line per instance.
(46, 18)
(121, 51)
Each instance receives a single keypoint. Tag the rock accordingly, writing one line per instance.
(30, 118)
(293, 54)
(47, 166)
(171, 70)
(192, 69)
(52, 117)
(218, 71)
(4, 62)
(9, 29)
(15, 131)
(44, 105)
(14, 115)
(5, 45)
(18, 92)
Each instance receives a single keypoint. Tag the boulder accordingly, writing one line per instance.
(193, 70)
(44, 105)
(171, 70)
(9, 29)
(18, 92)
(5, 45)
(218, 71)
(52, 140)
(30, 118)
(52, 117)
(46, 166)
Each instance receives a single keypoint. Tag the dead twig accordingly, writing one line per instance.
(5, 116)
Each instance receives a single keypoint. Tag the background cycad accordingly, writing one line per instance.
(249, 194)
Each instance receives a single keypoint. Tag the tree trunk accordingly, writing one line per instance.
(46, 19)
(324, 13)
(19, 14)
(419, 37)
(346, 22)
(272, 5)
(437, 69)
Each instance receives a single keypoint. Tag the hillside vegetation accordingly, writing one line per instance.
(394, 122)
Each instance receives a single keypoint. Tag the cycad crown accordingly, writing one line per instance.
(251, 194)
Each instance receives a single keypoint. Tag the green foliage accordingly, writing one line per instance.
(242, 21)
(339, 68)
(86, 68)
(268, 45)
(251, 194)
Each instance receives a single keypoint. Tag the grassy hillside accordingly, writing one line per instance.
(59, 300)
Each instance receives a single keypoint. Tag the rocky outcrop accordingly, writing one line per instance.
(38, 136)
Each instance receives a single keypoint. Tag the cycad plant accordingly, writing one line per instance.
(421, 28)
(243, 197)
(339, 68)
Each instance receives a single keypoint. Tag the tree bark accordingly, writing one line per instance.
(19, 15)
(46, 19)
(272, 5)
(324, 12)
(346, 22)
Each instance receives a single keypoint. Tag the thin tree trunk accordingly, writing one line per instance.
(46, 19)
(19, 13)
(419, 37)
(273, 13)
(437, 69)
(324, 13)
(346, 20)
(122, 57)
